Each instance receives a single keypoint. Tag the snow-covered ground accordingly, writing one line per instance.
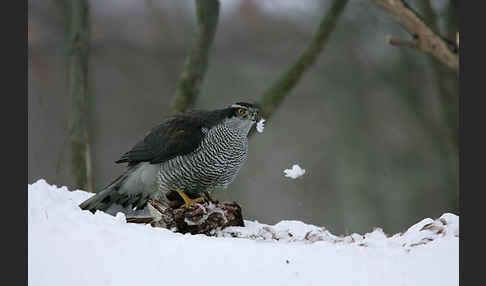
(68, 246)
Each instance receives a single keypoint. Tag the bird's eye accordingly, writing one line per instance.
(240, 111)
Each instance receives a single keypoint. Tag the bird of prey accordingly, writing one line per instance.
(191, 153)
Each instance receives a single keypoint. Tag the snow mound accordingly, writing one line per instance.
(68, 246)
(421, 233)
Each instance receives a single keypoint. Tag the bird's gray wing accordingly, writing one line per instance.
(176, 136)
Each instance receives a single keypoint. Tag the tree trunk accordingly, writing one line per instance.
(78, 69)
(197, 60)
(274, 96)
(448, 97)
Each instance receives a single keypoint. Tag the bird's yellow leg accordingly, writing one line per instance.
(188, 201)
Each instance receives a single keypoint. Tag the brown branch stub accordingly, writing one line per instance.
(196, 62)
(395, 41)
(427, 40)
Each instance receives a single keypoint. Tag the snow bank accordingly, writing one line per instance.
(68, 246)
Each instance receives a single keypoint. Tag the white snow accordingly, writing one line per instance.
(295, 172)
(260, 125)
(68, 246)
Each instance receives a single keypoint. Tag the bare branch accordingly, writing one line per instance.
(196, 62)
(427, 40)
(274, 96)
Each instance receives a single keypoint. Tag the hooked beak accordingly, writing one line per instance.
(254, 116)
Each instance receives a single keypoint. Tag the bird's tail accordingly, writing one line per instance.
(105, 198)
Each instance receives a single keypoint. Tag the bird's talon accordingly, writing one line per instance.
(188, 202)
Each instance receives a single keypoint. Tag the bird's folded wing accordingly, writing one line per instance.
(178, 135)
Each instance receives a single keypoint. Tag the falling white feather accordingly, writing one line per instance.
(260, 125)
(295, 172)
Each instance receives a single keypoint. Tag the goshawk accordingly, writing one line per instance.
(191, 153)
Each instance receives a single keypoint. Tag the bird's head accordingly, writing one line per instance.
(242, 115)
(245, 111)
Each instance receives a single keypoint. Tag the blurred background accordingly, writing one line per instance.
(375, 126)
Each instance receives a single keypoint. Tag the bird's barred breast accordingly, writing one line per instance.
(214, 164)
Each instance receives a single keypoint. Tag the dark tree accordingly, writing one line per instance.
(275, 95)
(197, 60)
(78, 21)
